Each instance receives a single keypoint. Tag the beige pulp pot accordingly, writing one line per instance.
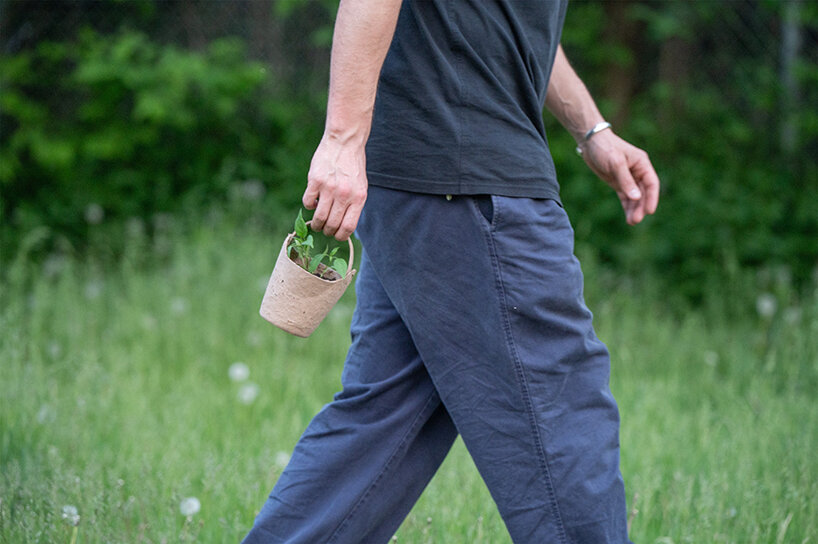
(297, 301)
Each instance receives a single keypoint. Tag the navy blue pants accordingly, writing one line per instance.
(470, 319)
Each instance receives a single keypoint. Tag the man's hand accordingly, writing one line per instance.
(624, 167)
(627, 169)
(336, 185)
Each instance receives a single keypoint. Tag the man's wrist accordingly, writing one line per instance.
(590, 133)
(347, 133)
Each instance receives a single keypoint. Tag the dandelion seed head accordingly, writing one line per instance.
(262, 283)
(282, 458)
(162, 221)
(238, 372)
(53, 265)
(54, 349)
(178, 305)
(253, 338)
(70, 514)
(148, 321)
(94, 214)
(792, 316)
(341, 313)
(92, 290)
(248, 393)
(252, 189)
(766, 305)
(190, 506)
(162, 244)
(45, 414)
(783, 276)
(135, 227)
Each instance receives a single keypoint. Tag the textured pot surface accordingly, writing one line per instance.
(297, 301)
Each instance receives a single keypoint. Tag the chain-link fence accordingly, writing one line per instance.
(290, 37)
(723, 94)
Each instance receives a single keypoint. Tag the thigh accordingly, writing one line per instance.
(565, 366)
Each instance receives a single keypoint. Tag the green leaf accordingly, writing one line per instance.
(340, 266)
(315, 262)
(333, 252)
(301, 226)
(308, 242)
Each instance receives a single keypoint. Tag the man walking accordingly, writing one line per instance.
(470, 317)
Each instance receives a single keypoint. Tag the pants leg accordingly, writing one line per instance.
(367, 456)
(476, 302)
(491, 293)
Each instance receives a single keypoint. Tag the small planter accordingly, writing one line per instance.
(296, 301)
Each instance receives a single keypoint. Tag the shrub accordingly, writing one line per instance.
(120, 126)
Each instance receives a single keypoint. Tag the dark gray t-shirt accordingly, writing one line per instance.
(460, 98)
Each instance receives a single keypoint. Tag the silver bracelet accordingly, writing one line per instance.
(599, 127)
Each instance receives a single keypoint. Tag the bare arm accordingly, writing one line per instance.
(336, 183)
(627, 169)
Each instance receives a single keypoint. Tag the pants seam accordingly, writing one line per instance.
(342, 524)
(523, 382)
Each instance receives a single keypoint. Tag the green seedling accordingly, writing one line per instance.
(321, 264)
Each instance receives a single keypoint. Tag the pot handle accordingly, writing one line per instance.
(351, 253)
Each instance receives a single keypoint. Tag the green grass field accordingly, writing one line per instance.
(115, 399)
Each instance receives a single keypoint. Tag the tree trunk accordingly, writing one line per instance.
(621, 32)
(791, 38)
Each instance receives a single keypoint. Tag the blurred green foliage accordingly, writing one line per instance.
(118, 126)
(107, 125)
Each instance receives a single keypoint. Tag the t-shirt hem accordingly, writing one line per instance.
(533, 188)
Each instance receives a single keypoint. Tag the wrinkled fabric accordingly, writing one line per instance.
(460, 98)
(470, 319)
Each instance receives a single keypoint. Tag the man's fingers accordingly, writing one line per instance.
(336, 216)
(634, 209)
(628, 206)
(624, 182)
(310, 198)
(643, 171)
(322, 211)
(349, 222)
(343, 219)
(651, 184)
(636, 213)
(337, 209)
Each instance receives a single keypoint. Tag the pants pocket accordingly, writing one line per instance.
(486, 207)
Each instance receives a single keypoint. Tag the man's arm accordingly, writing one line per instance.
(336, 183)
(622, 166)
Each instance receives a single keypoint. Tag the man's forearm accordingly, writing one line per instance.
(336, 183)
(569, 100)
(363, 32)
